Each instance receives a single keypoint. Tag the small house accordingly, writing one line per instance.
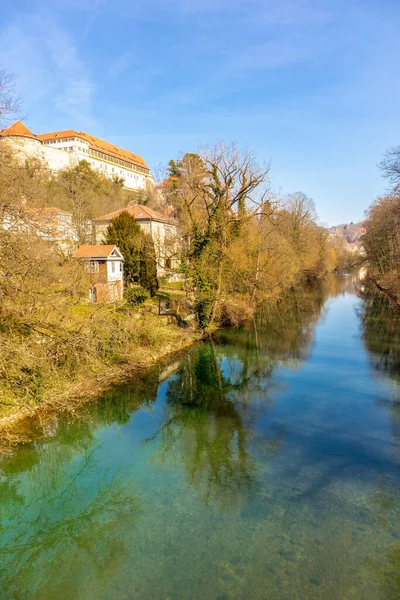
(104, 264)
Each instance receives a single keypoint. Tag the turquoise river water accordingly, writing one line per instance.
(264, 465)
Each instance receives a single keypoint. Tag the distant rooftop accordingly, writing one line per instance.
(140, 212)
(95, 144)
(17, 129)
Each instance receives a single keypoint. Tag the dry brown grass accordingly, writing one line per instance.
(113, 349)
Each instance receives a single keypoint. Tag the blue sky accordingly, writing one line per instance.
(313, 86)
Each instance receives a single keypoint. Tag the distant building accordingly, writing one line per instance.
(26, 144)
(56, 227)
(62, 149)
(105, 267)
(162, 229)
(51, 224)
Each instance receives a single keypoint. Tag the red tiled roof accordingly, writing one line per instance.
(58, 135)
(96, 144)
(140, 212)
(115, 151)
(94, 251)
(18, 129)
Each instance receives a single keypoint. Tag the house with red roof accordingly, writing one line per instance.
(163, 230)
(104, 265)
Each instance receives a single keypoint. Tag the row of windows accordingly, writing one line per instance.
(64, 140)
(93, 267)
(74, 148)
(97, 154)
(61, 141)
(118, 161)
(105, 167)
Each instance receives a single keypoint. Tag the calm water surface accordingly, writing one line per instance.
(264, 466)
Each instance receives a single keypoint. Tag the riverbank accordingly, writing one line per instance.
(388, 285)
(116, 345)
(156, 340)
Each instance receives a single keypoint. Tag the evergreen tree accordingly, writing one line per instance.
(148, 265)
(173, 169)
(125, 232)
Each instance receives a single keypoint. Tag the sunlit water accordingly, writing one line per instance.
(264, 466)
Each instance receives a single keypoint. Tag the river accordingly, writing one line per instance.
(264, 465)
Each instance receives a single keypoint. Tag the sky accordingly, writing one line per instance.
(311, 86)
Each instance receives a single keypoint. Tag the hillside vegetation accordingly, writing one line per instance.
(382, 237)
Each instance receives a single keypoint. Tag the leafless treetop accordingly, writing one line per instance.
(10, 100)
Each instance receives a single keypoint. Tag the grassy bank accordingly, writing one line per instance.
(46, 369)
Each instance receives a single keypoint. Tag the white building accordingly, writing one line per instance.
(162, 229)
(51, 224)
(55, 226)
(62, 149)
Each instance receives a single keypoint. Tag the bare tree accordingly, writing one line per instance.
(10, 100)
(390, 167)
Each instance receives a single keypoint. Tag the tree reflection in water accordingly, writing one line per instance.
(380, 321)
(206, 427)
(61, 506)
(381, 332)
(215, 399)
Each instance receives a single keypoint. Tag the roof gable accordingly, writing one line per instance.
(116, 253)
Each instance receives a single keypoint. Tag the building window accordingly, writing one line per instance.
(92, 266)
(113, 267)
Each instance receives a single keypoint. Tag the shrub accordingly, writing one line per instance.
(136, 296)
(235, 310)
